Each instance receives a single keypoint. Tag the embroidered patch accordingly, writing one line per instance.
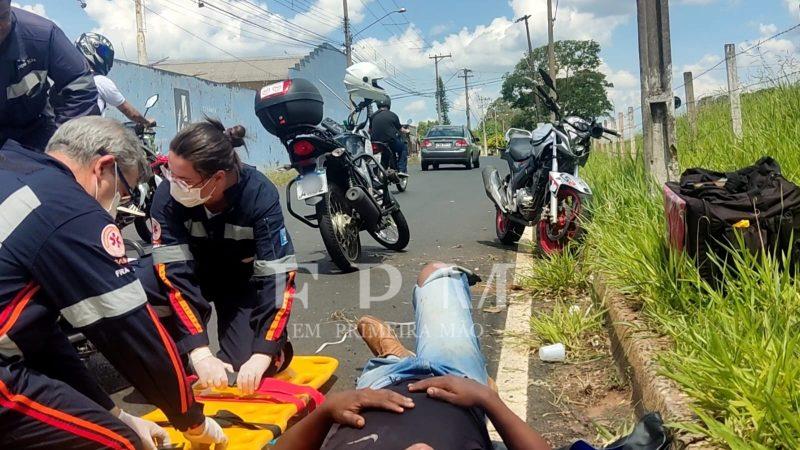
(284, 237)
(112, 241)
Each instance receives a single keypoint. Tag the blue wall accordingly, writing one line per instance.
(232, 105)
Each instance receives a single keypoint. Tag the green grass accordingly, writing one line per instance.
(573, 325)
(280, 177)
(736, 349)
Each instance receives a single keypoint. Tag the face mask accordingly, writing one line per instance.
(189, 197)
(115, 201)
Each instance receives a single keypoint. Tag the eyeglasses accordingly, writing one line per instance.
(182, 184)
(133, 194)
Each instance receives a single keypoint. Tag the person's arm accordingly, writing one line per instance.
(466, 393)
(73, 84)
(133, 114)
(343, 408)
(274, 271)
(82, 268)
(174, 266)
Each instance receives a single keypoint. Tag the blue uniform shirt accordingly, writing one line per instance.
(30, 108)
(61, 254)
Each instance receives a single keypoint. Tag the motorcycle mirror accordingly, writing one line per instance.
(151, 101)
(409, 122)
(678, 102)
(597, 131)
(547, 80)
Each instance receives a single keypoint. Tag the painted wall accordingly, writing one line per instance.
(184, 99)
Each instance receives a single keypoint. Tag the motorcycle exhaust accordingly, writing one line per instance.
(492, 185)
(365, 205)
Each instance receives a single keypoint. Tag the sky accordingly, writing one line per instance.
(479, 34)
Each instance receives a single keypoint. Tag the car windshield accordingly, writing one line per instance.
(445, 132)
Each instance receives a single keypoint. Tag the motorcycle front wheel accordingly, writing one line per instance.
(339, 229)
(395, 234)
(554, 237)
(508, 231)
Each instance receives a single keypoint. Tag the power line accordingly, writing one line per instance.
(207, 42)
(259, 11)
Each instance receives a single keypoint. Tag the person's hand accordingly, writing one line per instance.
(405, 130)
(150, 123)
(209, 369)
(251, 372)
(345, 407)
(150, 433)
(458, 391)
(207, 433)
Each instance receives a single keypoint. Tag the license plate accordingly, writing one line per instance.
(442, 145)
(311, 185)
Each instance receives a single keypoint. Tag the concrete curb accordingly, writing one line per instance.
(636, 350)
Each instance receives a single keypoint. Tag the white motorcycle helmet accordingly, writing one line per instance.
(361, 80)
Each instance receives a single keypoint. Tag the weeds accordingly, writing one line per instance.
(736, 348)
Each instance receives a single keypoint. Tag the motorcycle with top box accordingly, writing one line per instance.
(337, 173)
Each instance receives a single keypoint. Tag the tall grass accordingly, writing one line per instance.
(737, 348)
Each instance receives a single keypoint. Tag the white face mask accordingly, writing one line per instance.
(189, 197)
(115, 201)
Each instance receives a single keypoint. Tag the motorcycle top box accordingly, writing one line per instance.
(286, 104)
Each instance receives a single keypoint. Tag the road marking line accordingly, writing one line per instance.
(512, 369)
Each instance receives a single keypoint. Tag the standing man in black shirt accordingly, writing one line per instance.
(385, 127)
(436, 397)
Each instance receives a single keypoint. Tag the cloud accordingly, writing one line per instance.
(415, 107)
(793, 8)
(440, 28)
(36, 8)
(626, 90)
(256, 33)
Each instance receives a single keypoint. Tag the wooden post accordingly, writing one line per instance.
(658, 105)
(691, 106)
(632, 127)
(733, 90)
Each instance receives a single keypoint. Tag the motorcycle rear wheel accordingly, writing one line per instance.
(570, 214)
(396, 235)
(508, 231)
(339, 229)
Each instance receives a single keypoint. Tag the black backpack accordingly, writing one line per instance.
(756, 202)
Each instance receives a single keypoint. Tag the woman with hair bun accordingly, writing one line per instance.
(219, 236)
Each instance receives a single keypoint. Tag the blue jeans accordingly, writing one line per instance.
(446, 340)
(400, 150)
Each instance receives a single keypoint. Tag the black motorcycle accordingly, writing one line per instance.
(543, 186)
(346, 185)
(138, 212)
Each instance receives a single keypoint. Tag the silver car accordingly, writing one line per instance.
(449, 144)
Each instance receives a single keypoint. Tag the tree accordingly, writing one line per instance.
(444, 103)
(582, 88)
(423, 127)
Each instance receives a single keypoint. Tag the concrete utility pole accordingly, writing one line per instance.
(632, 127)
(658, 103)
(436, 59)
(691, 106)
(528, 33)
(551, 47)
(621, 129)
(482, 102)
(348, 36)
(733, 90)
(141, 47)
(466, 78)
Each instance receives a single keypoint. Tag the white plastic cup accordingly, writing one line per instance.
(553, 353)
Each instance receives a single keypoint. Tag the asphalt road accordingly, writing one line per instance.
(450, 220)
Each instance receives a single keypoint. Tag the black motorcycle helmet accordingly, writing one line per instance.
(387, 103)
(98, 50)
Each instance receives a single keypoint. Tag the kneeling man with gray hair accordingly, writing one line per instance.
(62, 254)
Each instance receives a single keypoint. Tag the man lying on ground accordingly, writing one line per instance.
(436, 397)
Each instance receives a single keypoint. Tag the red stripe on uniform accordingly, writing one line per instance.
(12, 312)
(172, 351)
(282, 317)
(63, 421)
(179, 304)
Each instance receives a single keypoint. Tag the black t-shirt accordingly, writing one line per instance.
(385, 126)
(439, 424)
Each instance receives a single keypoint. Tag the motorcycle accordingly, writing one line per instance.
(543, 186)
(338, 173)
(138, 212)
(390, 163)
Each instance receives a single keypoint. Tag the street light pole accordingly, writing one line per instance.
(141, 48)
(528, 32)
(436, 59)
